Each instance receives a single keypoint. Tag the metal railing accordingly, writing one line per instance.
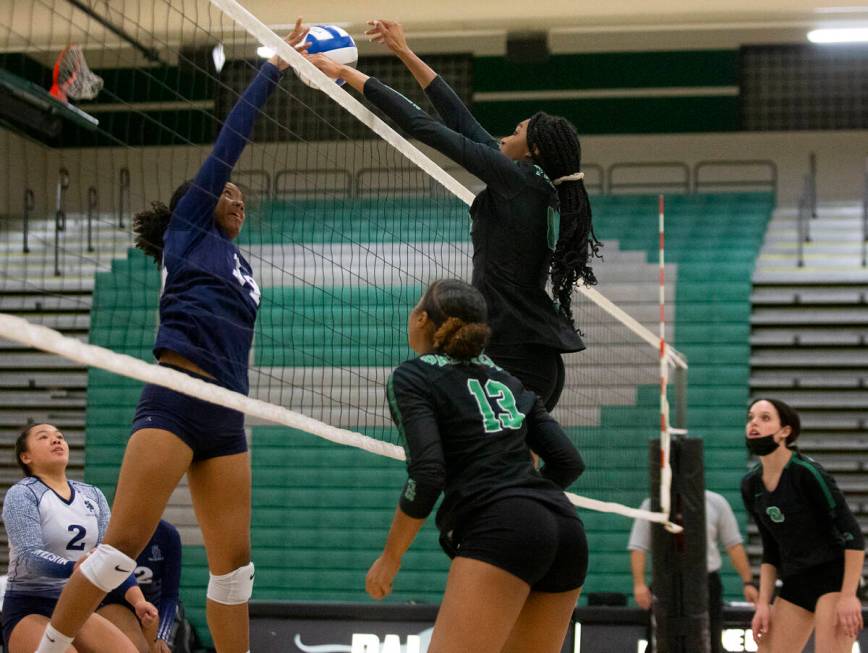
(865, 215)
(730, 181)
(92, 208)
(123, 196)
(803, 233)
(680, 184)
(60, 215)
(812, 183)
(29, 205)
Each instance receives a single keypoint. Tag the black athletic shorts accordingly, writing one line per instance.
(208, 429)
(545, 548)
(805, 588)
(540, 369)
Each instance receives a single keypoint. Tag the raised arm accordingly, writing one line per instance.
(196, 208)
(452, 110)
(493, 168)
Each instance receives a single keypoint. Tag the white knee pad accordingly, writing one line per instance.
(233, 588)
(107, 567)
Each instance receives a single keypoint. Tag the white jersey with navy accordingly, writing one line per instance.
(209, 299)
(48, 533)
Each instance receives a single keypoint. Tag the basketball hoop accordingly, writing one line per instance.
(72, 78)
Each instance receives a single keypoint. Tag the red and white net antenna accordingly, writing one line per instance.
(72, 78)
(665, 433)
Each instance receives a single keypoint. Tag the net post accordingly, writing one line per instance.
(679, 565)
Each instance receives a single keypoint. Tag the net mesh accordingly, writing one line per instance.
(343, 232)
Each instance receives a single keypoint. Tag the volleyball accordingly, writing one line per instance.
(335, 43)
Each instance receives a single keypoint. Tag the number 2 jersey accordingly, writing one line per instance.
(48, 533)
(467, 429)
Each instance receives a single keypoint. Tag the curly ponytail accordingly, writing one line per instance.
(555, 147)
(459, 314)
(150, 225)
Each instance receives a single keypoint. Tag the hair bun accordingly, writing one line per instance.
(461, 340)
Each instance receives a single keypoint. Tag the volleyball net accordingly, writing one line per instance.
(347, 222)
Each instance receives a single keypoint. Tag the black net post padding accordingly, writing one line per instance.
(679, 562)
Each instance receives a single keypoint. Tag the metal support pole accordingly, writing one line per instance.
(123, 196)
(59, 216)
(92, 204)
(29, 205)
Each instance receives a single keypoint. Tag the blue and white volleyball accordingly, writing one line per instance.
(335, 43)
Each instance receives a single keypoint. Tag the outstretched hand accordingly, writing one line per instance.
(389, 33)
(328, 66)
(295, 39)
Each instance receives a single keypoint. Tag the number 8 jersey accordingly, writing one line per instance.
(48, 533)
(467, 429)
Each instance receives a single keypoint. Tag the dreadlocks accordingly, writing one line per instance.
(554, 146)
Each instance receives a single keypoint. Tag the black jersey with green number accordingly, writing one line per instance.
(516, 223)
(467, 429)
(804, 521)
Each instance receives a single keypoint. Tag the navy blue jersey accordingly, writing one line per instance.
(516, 223)
(209, 299)
(805, 521)
(158, 572)
(468, 429)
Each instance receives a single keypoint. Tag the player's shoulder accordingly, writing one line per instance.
(28, 488)
(806, 467)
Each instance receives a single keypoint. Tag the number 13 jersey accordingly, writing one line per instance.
(467, 428)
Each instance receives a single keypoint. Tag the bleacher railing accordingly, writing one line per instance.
(865, 215)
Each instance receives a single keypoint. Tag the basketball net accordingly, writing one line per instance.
(72, 78)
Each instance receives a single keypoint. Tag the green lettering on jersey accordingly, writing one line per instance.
(410, 491)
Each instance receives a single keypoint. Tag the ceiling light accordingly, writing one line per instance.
(839, 35)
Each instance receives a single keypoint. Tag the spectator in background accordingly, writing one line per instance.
(158, 573)
(722, 530)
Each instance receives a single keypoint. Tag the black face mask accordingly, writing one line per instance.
(762, 446)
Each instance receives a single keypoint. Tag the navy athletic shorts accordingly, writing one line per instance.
(805, 588)
(545, 548)
(17, 606)
(208, 429)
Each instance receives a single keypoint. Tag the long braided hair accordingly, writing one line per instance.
(554, 146)
(150, 225)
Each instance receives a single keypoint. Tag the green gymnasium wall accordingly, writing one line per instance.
(614, 93)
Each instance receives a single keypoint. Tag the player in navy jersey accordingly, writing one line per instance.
(531, 224)
(208, 307)
(810, 540)
(158, 574)
(52, 524)
(519, 551)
